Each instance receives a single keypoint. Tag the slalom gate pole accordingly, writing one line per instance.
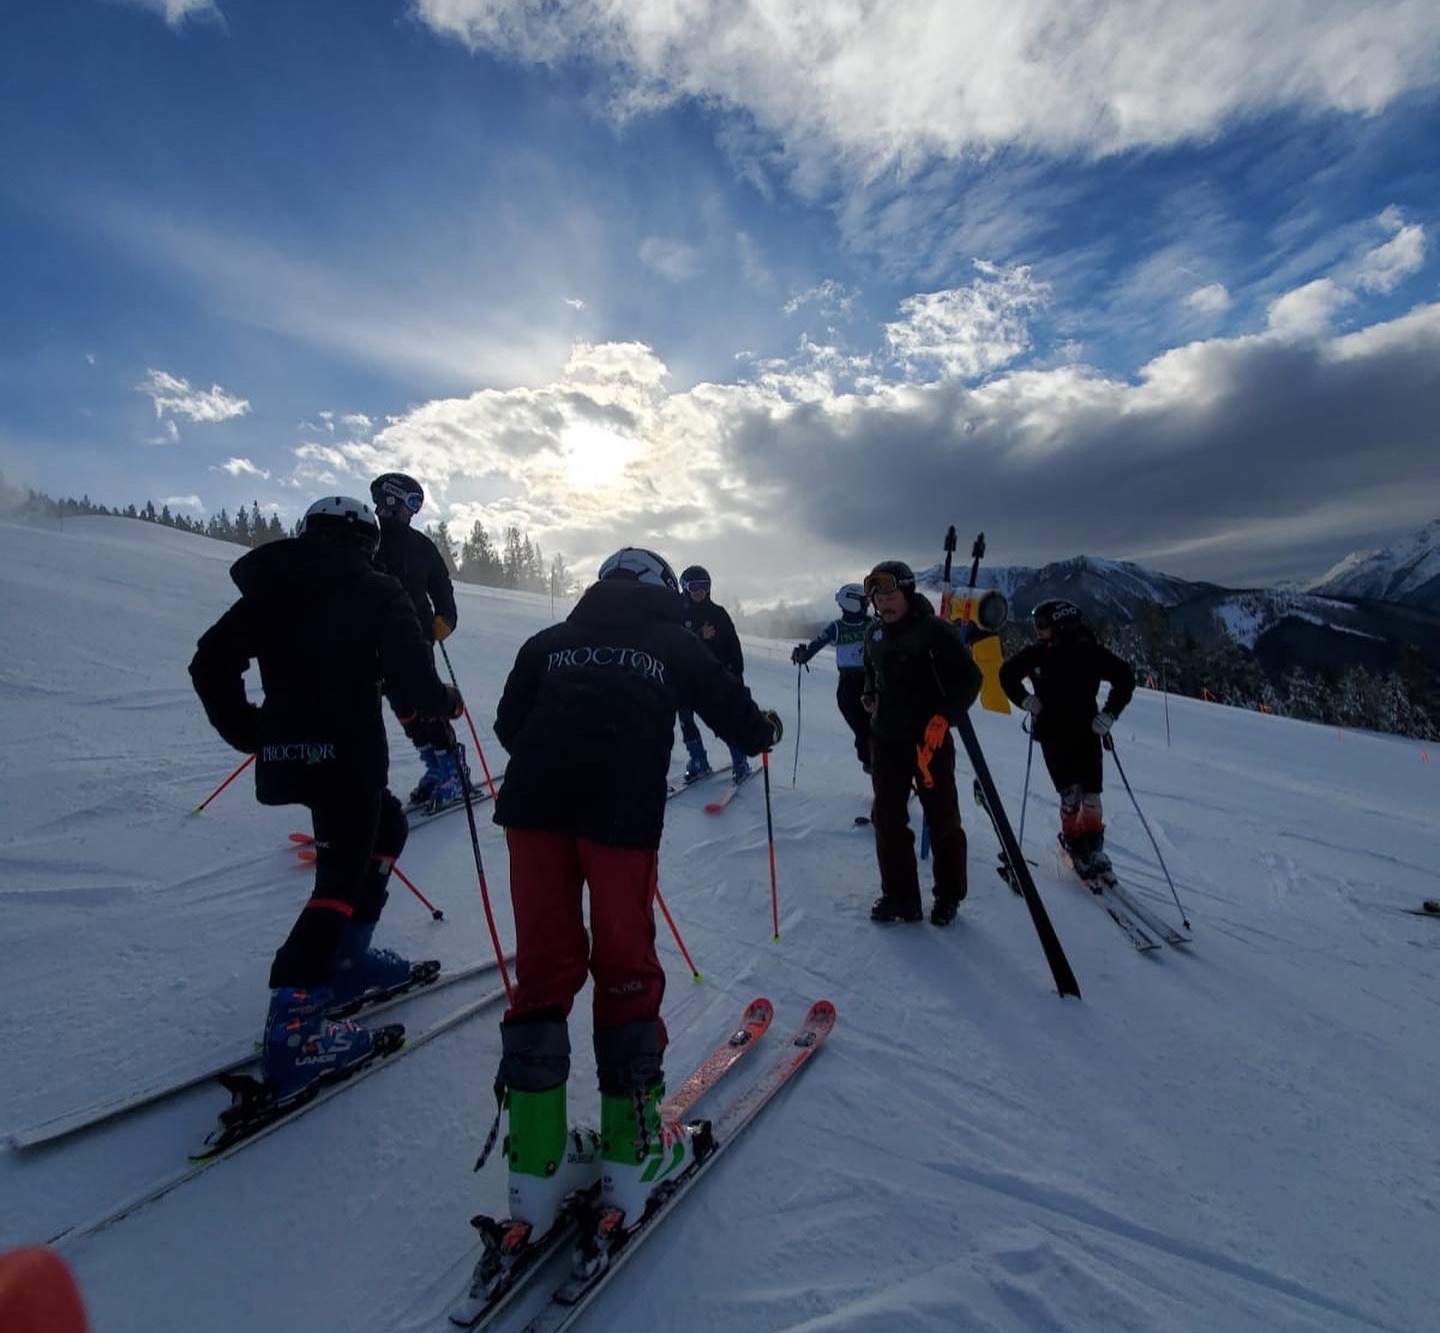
(474, 735)
(674, 930)
(770, 838)
(794, 777)
(485, 888)
(249, 759)
(1109, 744)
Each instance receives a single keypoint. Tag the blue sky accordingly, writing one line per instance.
(783, 290)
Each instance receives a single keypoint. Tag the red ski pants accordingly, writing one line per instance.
(553, 952)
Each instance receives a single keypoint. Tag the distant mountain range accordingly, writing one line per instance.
(1365, 611)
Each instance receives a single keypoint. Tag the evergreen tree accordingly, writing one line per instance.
(439, 533)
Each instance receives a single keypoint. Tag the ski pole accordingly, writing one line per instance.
(474, 735)
(1025, 795)
(674, 930)
(484, 888)
(770, 838)
(799, 717)
(410, 884)
(1115, 755)
(249, 759)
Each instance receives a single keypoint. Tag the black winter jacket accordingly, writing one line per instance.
(1066, 675)
(327, 627)
(415, 560)
(916, 668)
(588, 716)
(712, 625)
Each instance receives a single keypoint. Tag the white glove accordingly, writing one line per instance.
(1102, 724)
(1032, 705)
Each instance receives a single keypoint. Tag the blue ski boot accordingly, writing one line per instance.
(699, 764)
(454, 778)
(739, 766)
(302, 1046)
(361, 970)
(429, 780)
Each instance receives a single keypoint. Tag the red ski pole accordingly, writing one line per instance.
(411, 885)
(474, 735)
(670, 921)
(249, 759)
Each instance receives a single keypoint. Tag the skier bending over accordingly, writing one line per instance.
(329, 632)
(1065, 666)
(588, 718)
(848, 636)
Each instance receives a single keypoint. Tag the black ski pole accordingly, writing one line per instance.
(1120, 768)
(1025, 794)
(795, 776)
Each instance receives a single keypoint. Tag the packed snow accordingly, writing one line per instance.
(1236, 1137)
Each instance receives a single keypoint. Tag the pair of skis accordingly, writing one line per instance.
(1144, 928)
(720, 802)
(599, 1255)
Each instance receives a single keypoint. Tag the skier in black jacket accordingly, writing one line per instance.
(919, 681)
(588, 718)
(711, 624)
(327, 629)
(1066, 666)
(415, 560)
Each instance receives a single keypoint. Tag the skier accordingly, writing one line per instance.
(1065, 667)
(919, 680)
(327, 629)
(848, 636)
(411, 557)
(588, 716)
(711, 623)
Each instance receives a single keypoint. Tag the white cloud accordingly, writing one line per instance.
(169, 434)
(833, 300)
(1386, 266)
(357, 421)
(175, 12)
(183, 502)
(1307, 311)
(244, 467)
(880, 86)
(1212, 299)
(968, 331)
(90, 357)
(671, 259)
(174, 396)
(575, 303)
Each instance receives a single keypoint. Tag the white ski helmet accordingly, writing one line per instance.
(641, 566)
(342, 515)
(851, 599)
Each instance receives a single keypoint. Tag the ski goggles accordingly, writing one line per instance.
(411, 500)
(882, 583)
(697, 585)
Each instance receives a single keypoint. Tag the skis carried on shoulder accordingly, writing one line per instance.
(432, 978)
(510, 1260)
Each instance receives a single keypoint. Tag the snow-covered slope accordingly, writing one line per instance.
(1407, 572)
(1237, 1139)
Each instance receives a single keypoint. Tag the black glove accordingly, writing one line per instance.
(799, 657)
(776, 726)
(454, 704)
(242, 732)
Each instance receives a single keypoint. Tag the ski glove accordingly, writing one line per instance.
(799, 657)
(773, 718)
(454, 704)
(1032, 705)
(1102, 724)
(442, 629)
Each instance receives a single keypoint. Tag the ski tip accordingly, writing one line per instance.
(302, 837)
(714, 807)
(759, 1008)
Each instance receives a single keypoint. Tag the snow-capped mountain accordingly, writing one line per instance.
(1407, 572)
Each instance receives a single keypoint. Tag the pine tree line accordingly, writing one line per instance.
(517, 563)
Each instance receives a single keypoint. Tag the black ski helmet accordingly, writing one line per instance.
(341, 518)
(396, 493)
(1057, 615)
(694, 574)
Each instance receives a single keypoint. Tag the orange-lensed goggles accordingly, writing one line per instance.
(884, 582)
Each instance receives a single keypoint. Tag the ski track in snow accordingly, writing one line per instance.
(1236, 1137)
